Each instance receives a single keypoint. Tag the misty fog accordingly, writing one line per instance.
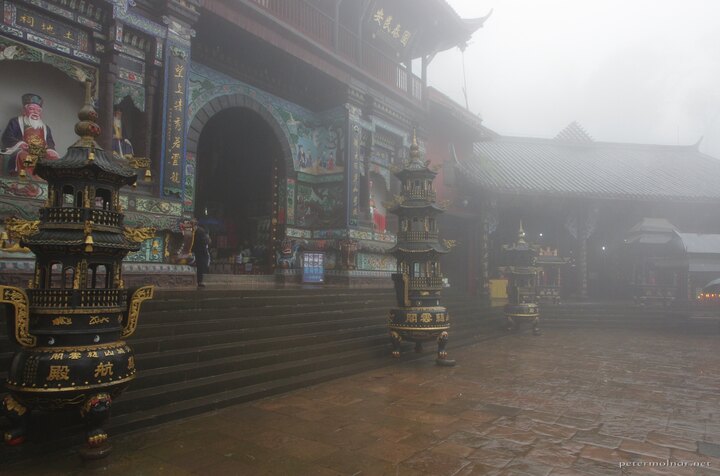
(642, 71)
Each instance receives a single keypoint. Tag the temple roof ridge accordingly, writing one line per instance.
(574, 133)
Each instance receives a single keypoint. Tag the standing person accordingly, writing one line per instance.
(200, 247)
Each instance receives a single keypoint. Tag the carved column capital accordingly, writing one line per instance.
(182, 11)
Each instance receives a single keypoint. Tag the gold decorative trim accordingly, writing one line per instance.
(13, 405)
(140, 295)
(21, 229)
(419, 308)
(62, 321)
(18, 298)
(83, 348)
(19, 388)
(83, 310)
(450, 244)
(78, 226)
(140, 234)
(404, 328)
(406, 289)
(522, 315)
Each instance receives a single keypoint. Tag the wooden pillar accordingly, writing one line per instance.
(106, 88)
(151, 144)
(581, 225)
(471, 272)
(336, 29)
(484, 258)
(582, 264)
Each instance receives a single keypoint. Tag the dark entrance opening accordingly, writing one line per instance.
(238, 159)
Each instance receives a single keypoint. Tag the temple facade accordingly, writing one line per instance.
(274, 124)
(578, 199)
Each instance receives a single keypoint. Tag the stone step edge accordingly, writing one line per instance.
(297, 318)
(217, 379)
(130, 422)
(208, 296)
(222, 399)
(145, 357)
(298, 325)
(288, 353)
(382, 329)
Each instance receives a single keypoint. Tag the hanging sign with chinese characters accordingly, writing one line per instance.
(174, 137)
(387, 25)
(353, 189)
(27, 24)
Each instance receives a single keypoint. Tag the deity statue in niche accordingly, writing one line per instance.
(27, 138)
(127, 140)
(121, 145)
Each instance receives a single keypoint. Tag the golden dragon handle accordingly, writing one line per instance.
(138, 296)
(19, 300)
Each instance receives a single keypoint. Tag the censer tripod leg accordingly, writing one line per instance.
(442, 359)
(95, 411)
(536, 326)
(395, 339)
(18, 414)
(442, 342)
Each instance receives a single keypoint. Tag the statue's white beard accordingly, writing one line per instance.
(34, 123)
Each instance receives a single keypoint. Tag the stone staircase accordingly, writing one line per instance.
(197, 351)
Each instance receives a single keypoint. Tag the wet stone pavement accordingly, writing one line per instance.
(569, 402)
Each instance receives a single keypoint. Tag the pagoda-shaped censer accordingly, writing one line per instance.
(71, 321)
(520, 269)
(419, 316)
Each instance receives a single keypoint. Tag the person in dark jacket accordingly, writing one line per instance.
(200, 247)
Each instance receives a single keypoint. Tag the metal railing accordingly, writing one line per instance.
(86, 298)
(425, 282)
(80, 215)
(322, 28)
(417, 236)
(420, 194)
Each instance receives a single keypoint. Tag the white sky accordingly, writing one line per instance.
(645, 71)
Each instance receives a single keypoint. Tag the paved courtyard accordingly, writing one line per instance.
(570, 402)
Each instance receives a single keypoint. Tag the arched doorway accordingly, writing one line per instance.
(239, 165)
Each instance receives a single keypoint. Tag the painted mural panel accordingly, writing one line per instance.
(189, 196)
(157, 206)
(319, 205)
(376, 262)
(319, 146)
(150, 251)
(290, 210)
(23, 189)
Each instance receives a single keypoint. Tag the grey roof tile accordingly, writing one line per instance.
(578, 166)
